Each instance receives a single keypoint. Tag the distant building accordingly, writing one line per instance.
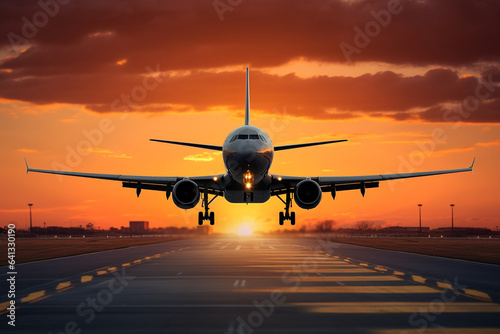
(138, 227)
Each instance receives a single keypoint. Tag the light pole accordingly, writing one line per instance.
(420, 218)
(452, 205)
(31, 221)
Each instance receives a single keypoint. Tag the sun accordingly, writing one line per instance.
(245, 230)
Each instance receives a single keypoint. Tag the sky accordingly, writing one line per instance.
(413, 85)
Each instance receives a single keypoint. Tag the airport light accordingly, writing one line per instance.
(420, 218)
(31, 221)
(452, 205)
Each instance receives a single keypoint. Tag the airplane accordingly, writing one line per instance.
(248, 155)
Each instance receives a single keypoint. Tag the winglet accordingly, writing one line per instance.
(473, 161)
(247, 104)
(27, 167)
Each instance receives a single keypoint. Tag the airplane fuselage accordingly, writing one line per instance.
(248, 154)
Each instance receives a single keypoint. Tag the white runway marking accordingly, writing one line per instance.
(238, 247)
(179, 273)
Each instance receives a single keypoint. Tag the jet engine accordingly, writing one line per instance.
(307, 194)
(186, 194)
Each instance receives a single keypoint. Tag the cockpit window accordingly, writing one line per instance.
(263, 139)
(254, 137)
(242, 136)
(234, 138)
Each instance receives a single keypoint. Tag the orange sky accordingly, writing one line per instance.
(406, 102)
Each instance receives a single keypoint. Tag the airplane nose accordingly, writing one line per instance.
(247, 156)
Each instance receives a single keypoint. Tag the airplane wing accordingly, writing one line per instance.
(289, 147)
(205, 146)
(282, 184)
(159, 183)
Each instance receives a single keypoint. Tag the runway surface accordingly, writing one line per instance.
(254, 285)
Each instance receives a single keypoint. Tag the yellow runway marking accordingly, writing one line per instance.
(350, 289)
(102, 268)
(477, 294)
(418, 279)
(125, 264)
(397, 307)
(137, 261)
(4, 305)
(344, 278)
(63, 285)
(305, 266)
(102, 272)
(329, 271)
(33, 296)
(85, 279)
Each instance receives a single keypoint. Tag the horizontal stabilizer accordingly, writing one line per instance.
(289, 147)
(207, 147)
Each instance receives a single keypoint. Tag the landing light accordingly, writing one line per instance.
(280, 178)
(215, 178)
(248, 179)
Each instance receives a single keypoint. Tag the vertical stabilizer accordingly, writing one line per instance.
(247, 104)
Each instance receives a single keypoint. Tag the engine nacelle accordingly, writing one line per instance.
(186, 194)
(307, 194)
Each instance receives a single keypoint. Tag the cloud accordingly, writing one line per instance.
(108, 153)
(26, 150)
(98, 63)
(203, 157)
(384, 94)
(189, 34)
(489, 144)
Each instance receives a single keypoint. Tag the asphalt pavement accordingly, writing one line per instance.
(251, 284)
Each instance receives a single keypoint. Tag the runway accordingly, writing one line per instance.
(254, 285)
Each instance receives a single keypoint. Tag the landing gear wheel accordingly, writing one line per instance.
(287, 215)
(212, 218)
(200, 218)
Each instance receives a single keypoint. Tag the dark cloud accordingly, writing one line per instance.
(74, 57)
(189, 34)
(384, 94)
(485, 112)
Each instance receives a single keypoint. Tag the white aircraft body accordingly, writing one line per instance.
(248, 155)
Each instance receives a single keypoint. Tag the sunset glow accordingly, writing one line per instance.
(245, 230)
(87, 95)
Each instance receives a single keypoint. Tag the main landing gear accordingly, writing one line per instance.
(287, 215)
(210, 216)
